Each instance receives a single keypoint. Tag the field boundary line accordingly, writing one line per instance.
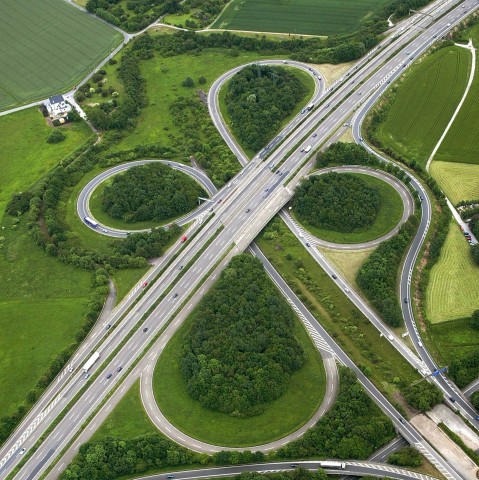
(458, 108)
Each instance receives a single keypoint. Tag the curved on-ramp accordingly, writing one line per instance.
(406, 197)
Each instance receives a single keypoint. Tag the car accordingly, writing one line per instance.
(229, 185)
(408, 53)
(169, 164)
(280, 173)
(334, 276)
(22, 451)
(434, 36)
(448, 24)
(119, 369)
(359, 93)
(346, 290)
(104, 230)
(294, 465)
(109, 375)
(248, 210)
(301, 235)
(211, 209)
(390, 337)
(310, 69)
(266, 189)
(302, 150)
(328, 105)
(108, 326)
(360, 139)
(388, 82)
(70, 369)
(477, 417)
(284, 61)
(315, 135)
(170, 476)
(453, 400)
(86, 375)
(401, 420)
(180, 267)
(419, 344)
(308, 245)
(277, 172)
(145, 329)
(466, 234)
(145, 284)
(175, 295)
(271, 166)
(303, 110)
(405, 300)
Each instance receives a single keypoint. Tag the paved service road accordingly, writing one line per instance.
(83, 209)
(227, 231)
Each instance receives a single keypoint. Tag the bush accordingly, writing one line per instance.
(202, 80)
(188, 82)
(475, 320)
(406, 457)
(56, 136)
(475, 400)
(423, 396)
(73, 115)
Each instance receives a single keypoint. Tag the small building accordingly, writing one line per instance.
(57, 107)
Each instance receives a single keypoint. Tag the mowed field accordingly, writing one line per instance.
(454, 283)
(46, 47)
(460, 181)
(425, 102)
(313, 17)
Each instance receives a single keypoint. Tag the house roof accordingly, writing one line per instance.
(56, 99)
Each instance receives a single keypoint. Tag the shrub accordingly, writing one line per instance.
(56, 136)
(188, 82)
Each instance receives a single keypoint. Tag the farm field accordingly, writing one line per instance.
(458, 180)
(313, 17)
(454, 281)
(424, 103)
(281, 417)
(57, 44)
(461, 143)
(388, 217)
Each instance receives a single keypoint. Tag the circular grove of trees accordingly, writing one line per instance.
(150, 192)
(337, 201)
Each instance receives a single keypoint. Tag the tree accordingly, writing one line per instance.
(475, 320)
(202, 80)
(188, 82)
(423, 396)
(56, 136)
(73, 115)
(475, 400)
(406, 457)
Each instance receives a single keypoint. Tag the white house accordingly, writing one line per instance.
(57, 107)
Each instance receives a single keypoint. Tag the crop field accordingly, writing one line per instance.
(46, 47)
(461, 143)
(454, 281)
(313, 17)
(460, 181)
(425, 102)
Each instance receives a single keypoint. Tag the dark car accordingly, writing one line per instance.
(401, 420)
(109, 375)
(334, 276)
(170, 476)
(119, 369)
(308, 245)
(175, 295)
(145, 329)
(405, 300)
(248, 210)
(452, 399)
(294, 465)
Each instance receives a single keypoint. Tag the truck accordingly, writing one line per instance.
(89, 363)
(184, 238)
(308, 148)
(310, 107)
(91, 222)
(327, 464)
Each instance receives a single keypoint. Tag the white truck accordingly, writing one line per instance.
(327, 464)
(89, 363)
(307, 149)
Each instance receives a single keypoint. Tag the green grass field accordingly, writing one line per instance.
(314, 17)
(453, 287)
(388, 216)
(459, 181)
(425, 102)
(128, 419)
(281, 417)
(46, 47)
(25, 155)
(454, 339)
(42, 302)
(163, 80)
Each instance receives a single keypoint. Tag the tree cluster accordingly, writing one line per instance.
(259, 98)
(56, 136)
(406, 457)
(354, 427)
(336, 201)
(240, 351)
(475, 400)
(138, 14)
(423, 396)
(151, 192)
(113, 458)
(114, 115)
(464, 370)
(205, 11)
(199, 139)
(147, 244)
(377, 277)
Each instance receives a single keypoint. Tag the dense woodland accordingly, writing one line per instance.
(336, 201)
(354, 427)
(240, 351)
(137, 15)
(151, 192)
(464, 370)
(258, 99)
(423, 396)
(406, 457)
(378, 275)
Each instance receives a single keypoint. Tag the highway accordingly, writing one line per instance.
(263, 193)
